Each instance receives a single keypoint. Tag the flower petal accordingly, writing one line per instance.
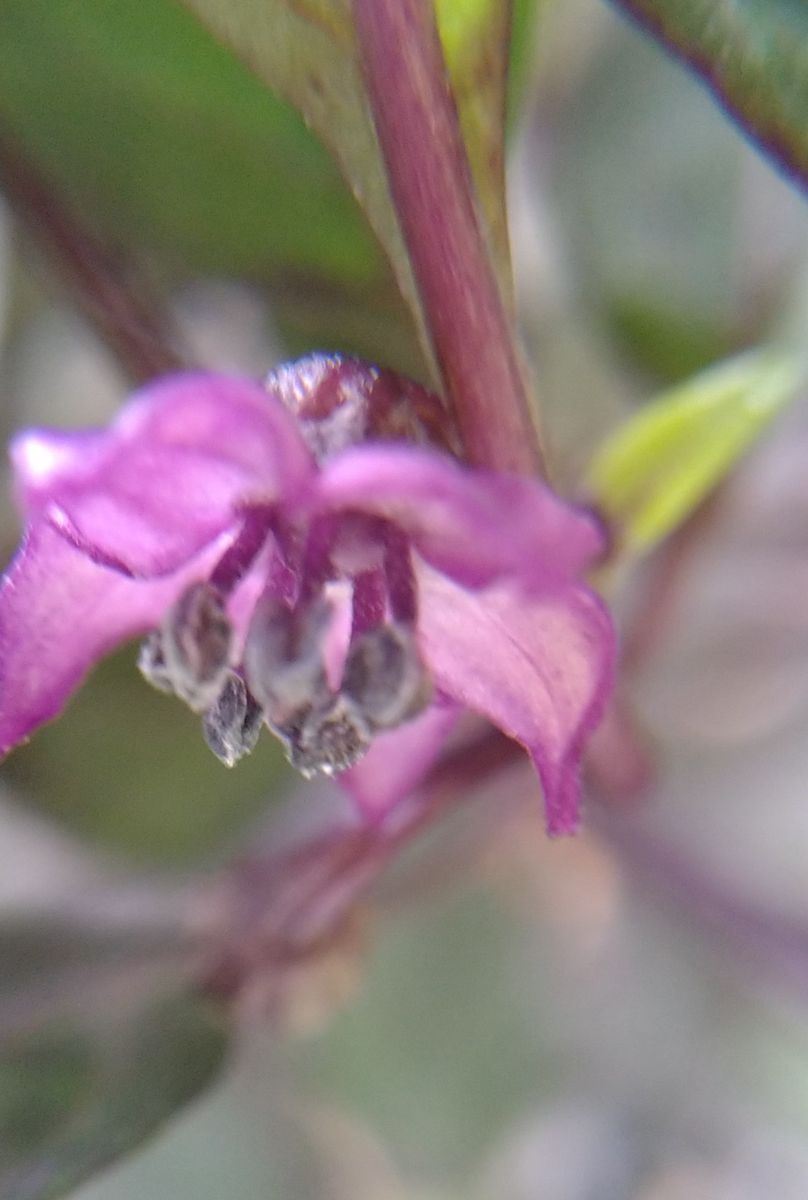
(473, 525)
(398, 761)
(59, 613)
(540, 669)
(166, 477)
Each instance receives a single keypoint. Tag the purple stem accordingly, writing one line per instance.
(400, 577)
(775, 944)
(430, 180)
(369, 601)
(115, 299)
(240, 555)
(288, 908)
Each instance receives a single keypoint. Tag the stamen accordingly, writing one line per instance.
(196, 640)
(400, 577)
(152, 664)
(285, 668)
(233, 723)
(369, 601)
(242, 552)
(282, 578)
(316, 567)
(283, 657)
(385, 678)
(325, 739)
(384, 682)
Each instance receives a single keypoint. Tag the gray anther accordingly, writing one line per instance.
(233, 723)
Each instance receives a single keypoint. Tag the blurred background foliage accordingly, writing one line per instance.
(527, 1023)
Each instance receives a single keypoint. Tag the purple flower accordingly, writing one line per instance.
(353, 597)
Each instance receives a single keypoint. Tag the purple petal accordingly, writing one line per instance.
(166, 477)
(539, 668)
(472, 525)
(398, 761)
(60, 613)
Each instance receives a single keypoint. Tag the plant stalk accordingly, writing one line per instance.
(432, 188)
(111, 293)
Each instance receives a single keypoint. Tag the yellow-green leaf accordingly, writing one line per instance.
(653, 472)
(475, 36)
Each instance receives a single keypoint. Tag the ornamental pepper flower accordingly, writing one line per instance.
(293, 565)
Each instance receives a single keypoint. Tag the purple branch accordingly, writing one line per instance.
(287, 908)
(774, 944)
(112, 296)
(432, 189)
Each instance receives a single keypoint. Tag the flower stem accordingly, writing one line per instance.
(430, 180)
(111, 294)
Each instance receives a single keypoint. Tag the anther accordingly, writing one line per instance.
(195, 646)
(284, 665)
(325, 739)
(233, 723)
(384, 676)
(152, 664)
(283, 658)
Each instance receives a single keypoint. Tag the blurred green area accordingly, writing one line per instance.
(163, 138)
(163, 142)
(501, 1051)
(653, 240)
(458, 1066)
(308, 55)
(127, 767)
(167, 144)
(74, 1095)
(653, 211)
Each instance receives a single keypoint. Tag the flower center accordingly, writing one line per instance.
(323, 679)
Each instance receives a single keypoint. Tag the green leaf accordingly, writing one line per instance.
(173, 803)
(654, 471)
(153, 129)
(163, 140)
(753, 54)
(88, 1070)
(305, 51)
(165, 143)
